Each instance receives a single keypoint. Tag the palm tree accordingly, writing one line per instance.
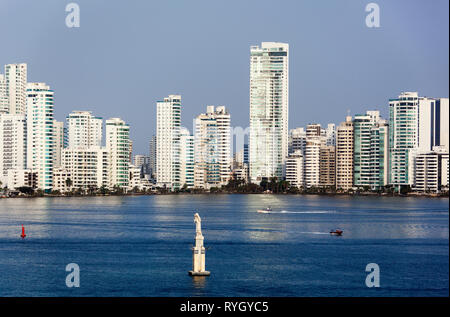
(69, 182)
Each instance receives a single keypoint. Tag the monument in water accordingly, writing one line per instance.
(198, 251)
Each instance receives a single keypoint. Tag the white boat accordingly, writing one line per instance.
(265, 211)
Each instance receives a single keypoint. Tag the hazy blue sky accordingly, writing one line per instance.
(128, 54)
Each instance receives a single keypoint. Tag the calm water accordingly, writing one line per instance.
(140, 246)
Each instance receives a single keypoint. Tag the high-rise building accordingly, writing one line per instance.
(118, 147)
(13, 140)
(297, 140)
(60, 142)
(314, 142)
(87, 168)
(4, 104)
(40, 133)
(186, 159)
(269, 109)
(344, 155)
(212, 148)
(152, 153)
(294, 169)
(433, 119)
(371, 151)
(140, 160)
(16, 87)
(403, 136)
(415, 124)
(168, 122)
(84, 129)
(329, 134)
(327, 166)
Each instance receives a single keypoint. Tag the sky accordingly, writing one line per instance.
(126, 55)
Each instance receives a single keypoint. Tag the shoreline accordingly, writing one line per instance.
(364, 194)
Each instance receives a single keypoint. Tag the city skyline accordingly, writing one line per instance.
(335, 66)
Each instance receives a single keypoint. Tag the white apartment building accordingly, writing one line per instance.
(87, 168)
(40, 133)
(416, 123)
(152, 152)
(62, 180)
(294, 169)
(269, 109)
(168, 122)
(13, 140)
(16, 86)
(84, 129)
(344, 155)
(136, 181)
(60, 142)
(314, 141)
(21, 178)
(4, 103)
(430, 170)
(371, 150)
(297, 140)
(212, 148)
(329, 134)
(118, 147)
(186, 159)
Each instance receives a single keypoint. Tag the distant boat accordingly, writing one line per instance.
(265, 211)
(336, 232)
(23, 235)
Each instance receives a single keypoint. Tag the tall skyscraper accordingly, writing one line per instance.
(16, 87)
(118, 147)
(84, 129)
(433, 123)
(314, 142)
(416, 124)
(40, 133)
(152, 153)
(327, 165)
(186, 159)
(168, 122)
(371, 151)
(344, 155)
(60, 142)
(13, 144)
(269, 109)
(4, 104)
(403, 135)
(212, 148)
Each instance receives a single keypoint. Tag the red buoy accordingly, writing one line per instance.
(23, 235)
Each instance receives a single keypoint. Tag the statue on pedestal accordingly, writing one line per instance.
(198, 251)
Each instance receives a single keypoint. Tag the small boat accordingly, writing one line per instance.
(23, 235)
(336, 232)
(265, 211)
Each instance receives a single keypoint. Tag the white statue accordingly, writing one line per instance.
(198, 251)
(198, 224)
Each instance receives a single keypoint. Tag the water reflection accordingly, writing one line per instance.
(199, 282)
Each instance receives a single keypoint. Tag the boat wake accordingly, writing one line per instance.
(305, 212)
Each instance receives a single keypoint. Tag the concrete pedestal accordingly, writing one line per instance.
(198, 252)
